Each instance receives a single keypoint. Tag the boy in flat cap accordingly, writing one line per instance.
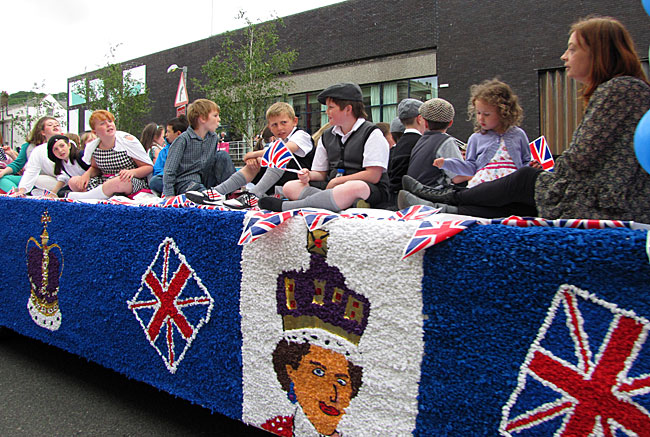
(435, 143)
(350, 160)
(396, 129)
(415, 125)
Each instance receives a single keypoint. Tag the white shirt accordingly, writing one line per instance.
(375, 152)
(70, 170)
(302, 139)
(37, 164)
(123, 142)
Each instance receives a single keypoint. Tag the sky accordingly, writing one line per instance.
(46, 42)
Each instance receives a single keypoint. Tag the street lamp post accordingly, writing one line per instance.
(182, 98)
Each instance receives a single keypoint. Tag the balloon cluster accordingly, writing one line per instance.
(642, 133)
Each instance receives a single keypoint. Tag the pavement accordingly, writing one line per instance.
(45, 391)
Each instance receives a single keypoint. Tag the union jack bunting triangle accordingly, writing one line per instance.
(171, 305)
(258, 223)
(315, 219)
(586, 374)
(430, 233)
(542, 153)
(415, 212)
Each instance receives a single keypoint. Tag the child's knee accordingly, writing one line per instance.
(358, 188)
(292, 189)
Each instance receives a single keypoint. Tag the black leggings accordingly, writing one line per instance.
(510, 195)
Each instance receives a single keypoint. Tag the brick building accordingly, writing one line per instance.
(414, 48)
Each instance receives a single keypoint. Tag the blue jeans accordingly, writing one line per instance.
(217, 171)
(156, 183)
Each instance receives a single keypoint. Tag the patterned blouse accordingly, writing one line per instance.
(598, 176)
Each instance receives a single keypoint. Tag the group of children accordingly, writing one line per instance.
(352, 163)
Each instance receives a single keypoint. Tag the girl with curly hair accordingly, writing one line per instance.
(498, 147)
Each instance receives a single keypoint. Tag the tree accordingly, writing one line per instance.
(247, 75)
(114, 89)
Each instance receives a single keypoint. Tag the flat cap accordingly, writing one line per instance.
(408, 108)
(437, 110)
(342, 91)
(397, 126)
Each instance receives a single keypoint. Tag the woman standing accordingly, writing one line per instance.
(598, 176)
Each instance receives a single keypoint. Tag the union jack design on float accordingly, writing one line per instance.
(585, 374)
(258, 223)
(542, 153)
(315, 219)
(277, 155)
(172, 304)
(430, 233)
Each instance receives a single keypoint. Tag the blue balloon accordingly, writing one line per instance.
(642, 142)
(646, 5)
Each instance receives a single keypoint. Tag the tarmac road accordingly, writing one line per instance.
(45, 391)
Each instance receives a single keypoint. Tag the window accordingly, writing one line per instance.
(380, 99)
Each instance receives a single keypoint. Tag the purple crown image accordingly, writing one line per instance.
(49, 293)
(44, 269)
(319, 298)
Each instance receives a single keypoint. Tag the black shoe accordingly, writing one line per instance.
(245, 200)
(444, 194)
(205, 197)
(270, 203)
(406, 199)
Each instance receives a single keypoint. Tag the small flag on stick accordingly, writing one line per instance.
(542, 153)
(278, 155)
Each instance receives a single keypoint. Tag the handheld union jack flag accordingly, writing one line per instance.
(415, 212)
(430, 233)
(277, 155)
(317, 218)
(542, 153)
(586, 373)
(258, 223)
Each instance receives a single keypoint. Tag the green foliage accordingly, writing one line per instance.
(245, 77)
(116, 91)
(21, 97)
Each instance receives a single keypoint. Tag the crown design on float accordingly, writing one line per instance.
(318, 307)
(44, 270)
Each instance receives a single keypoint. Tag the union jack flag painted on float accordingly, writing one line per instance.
(415, 212)
(430, 233)
(542, 153)
(277, 155)
(317, 218)
(258, 223)
(172, 304)
(586, 373)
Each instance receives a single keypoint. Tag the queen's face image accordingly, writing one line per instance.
(323, 387)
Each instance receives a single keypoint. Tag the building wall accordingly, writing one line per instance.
(377, 40)
(511, 39)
